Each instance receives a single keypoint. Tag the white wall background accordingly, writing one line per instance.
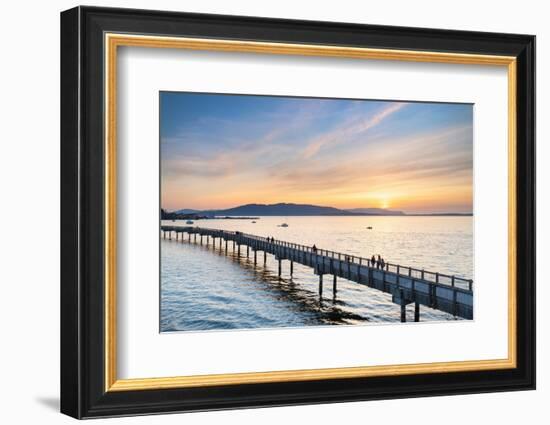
(29, 224)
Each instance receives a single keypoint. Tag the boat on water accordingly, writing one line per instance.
(283, 225)
(369, 227)
(189, 222)
(253, 222)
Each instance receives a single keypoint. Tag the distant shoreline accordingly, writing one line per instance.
(320, 215)
(251, 211)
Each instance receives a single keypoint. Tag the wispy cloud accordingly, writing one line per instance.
(349, 129)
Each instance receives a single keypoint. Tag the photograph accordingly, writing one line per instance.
(291, 212)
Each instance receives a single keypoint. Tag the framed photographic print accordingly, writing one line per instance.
(261, 212)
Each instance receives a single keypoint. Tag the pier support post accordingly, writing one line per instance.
(189, 237)
(416, 312)
(291, 267)
(226, 246)
(265, 257)
(334, 285)
(238, 250)
(255, 257)
(279, 267)
(320, 286)
(403, 313)
(195, 238)
(247, 251)
(201, 239)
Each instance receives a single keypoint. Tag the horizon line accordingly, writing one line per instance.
(411, 213)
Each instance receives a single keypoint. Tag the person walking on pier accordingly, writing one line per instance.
(378, 262)
(373, 261)
(314, 248)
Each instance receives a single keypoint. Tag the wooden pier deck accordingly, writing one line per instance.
(451, 294)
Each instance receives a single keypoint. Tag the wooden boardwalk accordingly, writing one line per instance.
(407, 285)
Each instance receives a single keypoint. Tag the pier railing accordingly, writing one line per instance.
(451, 294)
(406, 271)
(437, 277)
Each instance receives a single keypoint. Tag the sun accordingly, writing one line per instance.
(384, 204)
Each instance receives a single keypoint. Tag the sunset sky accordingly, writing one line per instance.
(221, 151)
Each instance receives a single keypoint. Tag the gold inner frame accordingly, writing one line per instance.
(113, 41)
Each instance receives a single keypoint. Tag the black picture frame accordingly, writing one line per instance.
(83, 392)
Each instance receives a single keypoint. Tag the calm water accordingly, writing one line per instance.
(202, 288)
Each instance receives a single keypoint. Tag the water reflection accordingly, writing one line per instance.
(287, 289)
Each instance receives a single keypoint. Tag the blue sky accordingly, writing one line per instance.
(219, 151)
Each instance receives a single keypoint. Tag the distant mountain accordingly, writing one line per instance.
(375, 211)
(276, 209)
(288, 209)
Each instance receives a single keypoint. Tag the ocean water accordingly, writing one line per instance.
(205, 288)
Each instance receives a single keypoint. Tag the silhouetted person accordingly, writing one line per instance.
(373, 261)
(379, 262)
(382, 263)
(314, 248)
